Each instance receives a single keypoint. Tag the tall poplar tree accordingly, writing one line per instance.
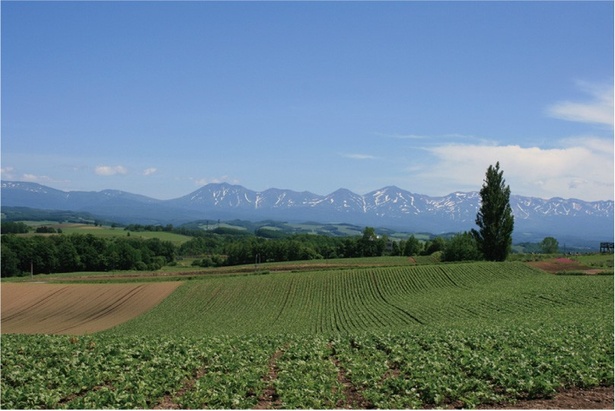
(494, 219)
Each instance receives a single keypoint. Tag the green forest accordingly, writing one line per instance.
(59, 253)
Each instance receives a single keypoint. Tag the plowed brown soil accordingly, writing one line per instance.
(561, 265)
(76, 308)
(598, 398)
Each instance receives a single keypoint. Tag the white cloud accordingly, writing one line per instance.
(10, 173)
(579, 168)
(214, 180)
(200, 181)
(110, 170)
(7, 173)
(149, 171)
(598, 110)
(33, 178)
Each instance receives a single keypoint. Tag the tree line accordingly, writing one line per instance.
(85, 252)
(82, 252)
(255, 249)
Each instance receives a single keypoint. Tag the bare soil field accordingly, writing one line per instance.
(598, 398)
(31, 308)
(560, 265)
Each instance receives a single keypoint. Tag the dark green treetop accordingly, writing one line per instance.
(494, 218)
(549, 245)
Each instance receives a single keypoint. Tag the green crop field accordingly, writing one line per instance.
(404, 336)
(357, 300)
(108, 231)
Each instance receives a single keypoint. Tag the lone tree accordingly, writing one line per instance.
(494, 219)
(549, 245)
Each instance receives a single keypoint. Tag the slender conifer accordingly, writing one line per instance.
(494, 218)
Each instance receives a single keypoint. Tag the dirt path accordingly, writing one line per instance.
(31, 308)
(269, 398)
(353, 399)
(599, 398)
(168, 402)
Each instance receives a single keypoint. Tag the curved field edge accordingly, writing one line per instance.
(76, 308)
(431, 367)
(359, 300)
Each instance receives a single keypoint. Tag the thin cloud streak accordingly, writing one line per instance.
(33, 178)
(599, 110)
(214, 180)
(403, 136)
(357, 156)
(439, 139)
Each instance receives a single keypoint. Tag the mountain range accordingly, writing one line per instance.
(390, 207)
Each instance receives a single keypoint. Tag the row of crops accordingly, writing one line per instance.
(351, 301)
(453, 335)
(439, 367)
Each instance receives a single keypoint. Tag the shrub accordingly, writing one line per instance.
(462, 247)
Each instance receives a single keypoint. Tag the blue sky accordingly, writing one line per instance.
(160, 98)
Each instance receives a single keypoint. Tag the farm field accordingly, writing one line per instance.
(183, 270)
(359, 300)
(76, 308)
(405, 336)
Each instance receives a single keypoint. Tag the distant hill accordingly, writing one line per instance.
(33, 214)
(569, 220)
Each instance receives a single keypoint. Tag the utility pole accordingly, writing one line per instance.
(31, 270)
